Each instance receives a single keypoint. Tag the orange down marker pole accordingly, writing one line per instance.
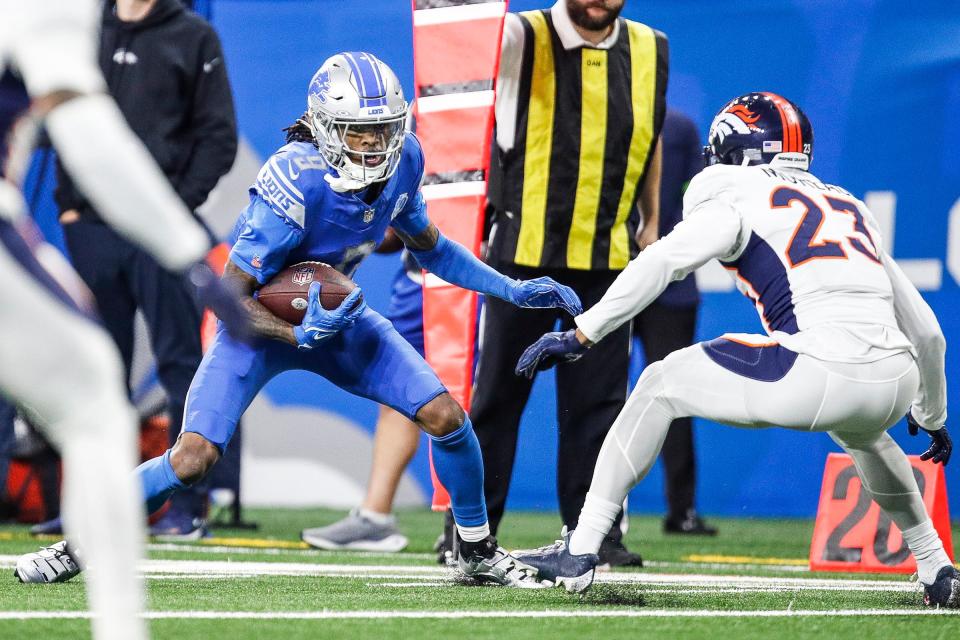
(456, 45)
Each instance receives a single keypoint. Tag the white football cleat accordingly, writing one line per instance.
(486, 561)
(50, 564)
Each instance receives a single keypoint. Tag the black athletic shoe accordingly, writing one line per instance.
(689, 524)
(945, 590)
(445, 546)
(556, 564)
(614, 554)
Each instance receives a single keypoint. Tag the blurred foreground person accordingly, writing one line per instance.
(57, 362)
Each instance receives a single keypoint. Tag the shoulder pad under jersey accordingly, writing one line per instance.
(709, 184)
(291, 180)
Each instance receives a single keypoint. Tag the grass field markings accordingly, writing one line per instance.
(434, 572)
(261, 543)
(558, 613)
(406, 585)
(723, 566)
(715, 581)
(281, 551)
(725, 559)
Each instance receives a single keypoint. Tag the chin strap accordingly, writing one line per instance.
(341, 184)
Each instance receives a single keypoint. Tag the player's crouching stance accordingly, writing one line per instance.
(851, 343)
(347, 173)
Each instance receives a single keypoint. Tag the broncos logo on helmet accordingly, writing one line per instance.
(760, 128)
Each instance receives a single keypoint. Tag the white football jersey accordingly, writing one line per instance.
(807, 254)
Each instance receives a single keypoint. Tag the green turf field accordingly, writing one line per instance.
(750, 581)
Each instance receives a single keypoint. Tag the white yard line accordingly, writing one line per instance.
(457, 615)
(172, 569)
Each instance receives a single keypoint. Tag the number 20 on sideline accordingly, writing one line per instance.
(852, 534)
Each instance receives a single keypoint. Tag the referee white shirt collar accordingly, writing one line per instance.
(511, 57)
(569, 37)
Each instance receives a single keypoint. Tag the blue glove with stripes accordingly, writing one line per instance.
(542, 293)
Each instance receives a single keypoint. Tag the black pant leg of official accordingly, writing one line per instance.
(499, 395)
(664, 330)
(173, 316)
(591, 392)
(101, 258)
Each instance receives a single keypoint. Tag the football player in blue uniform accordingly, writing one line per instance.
(347, 173)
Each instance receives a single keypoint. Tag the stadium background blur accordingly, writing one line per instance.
(879, 79)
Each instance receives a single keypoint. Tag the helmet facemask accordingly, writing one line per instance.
(366, 151)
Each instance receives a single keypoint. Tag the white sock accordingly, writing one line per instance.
(927, 548)
(596, 518)
(103, 512)
(474, 534)
(382, 519)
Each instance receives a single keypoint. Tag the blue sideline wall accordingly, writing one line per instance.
(879, 79)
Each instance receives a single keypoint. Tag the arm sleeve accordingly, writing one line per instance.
(212, 126)
(918, 322)
(454, 263)
(713, 230)
(264, 241)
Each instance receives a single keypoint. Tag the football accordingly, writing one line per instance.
(285, 295)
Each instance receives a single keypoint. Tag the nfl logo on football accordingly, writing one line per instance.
(303, 275)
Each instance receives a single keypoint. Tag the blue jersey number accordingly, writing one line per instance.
(803, 246)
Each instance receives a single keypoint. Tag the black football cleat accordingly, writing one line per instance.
(613, 553)
(556, 564)
(945, 590)
(689, 524)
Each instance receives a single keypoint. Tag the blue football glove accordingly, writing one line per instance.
(319, 324)
(222, 298)
(541, 293)
(940, 444)
(550, 350)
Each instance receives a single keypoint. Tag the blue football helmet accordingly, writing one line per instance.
(760, 128)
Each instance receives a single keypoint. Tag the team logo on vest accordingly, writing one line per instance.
(303, 275)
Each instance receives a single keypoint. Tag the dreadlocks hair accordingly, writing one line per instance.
(300, 131)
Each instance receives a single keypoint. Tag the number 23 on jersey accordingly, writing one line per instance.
(804, 245)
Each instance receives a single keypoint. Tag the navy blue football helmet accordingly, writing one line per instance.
(757, 128)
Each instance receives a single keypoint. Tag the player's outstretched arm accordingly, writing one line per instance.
(711, 231)
(918, 322)
(454, 263)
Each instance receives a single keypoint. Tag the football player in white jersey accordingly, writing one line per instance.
(55, 361)
(850, 347)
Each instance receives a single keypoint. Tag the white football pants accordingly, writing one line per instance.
(65, 371)
(855, 403)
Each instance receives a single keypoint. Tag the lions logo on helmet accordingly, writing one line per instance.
(760, 128)
(319, 85)
(357, 113)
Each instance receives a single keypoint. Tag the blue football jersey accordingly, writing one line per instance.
(294, 214)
